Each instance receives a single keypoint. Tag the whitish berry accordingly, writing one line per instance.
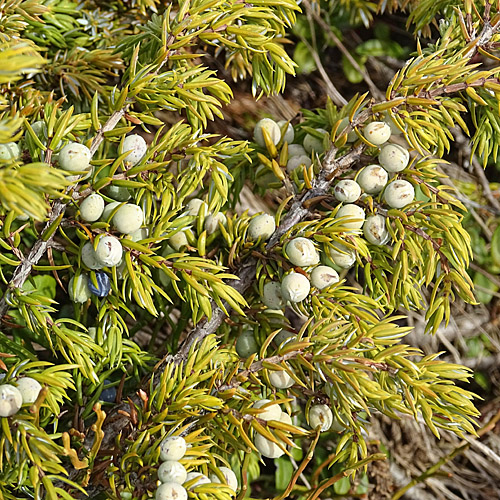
(229, 476)
(271, 127)
(172, 448)
(268, 448)
(172, 471)
(283, 336)
(9, 151)
(140, 234)
(351, 136)
(78, 289)
(375, 230)
(178, 240)
(302, 252)
(281, 379)
(212, 222)
(320, 416)
(296, 162)
(194, 206)
(286, 419)
(399, 193)
(295, 287)
(89, 257)
(271, 412)
(289, 132)
(170, 491)
(342, 255)
(200, 479)
(372, 179)
(262, 226)
(137, 147)
(29, 389)
(109, 251)
(271, 295)
(355, 216)
(128, 218)
(40, 129)
(103, 284)
(108, 209)
(347, 191)
(92, 207)
(296, 150)
(324, 276)
(75, 157)
(11, 400)
(246, 344)
(377, 132)
(118, 193)
(395, 130)
(394, 157)
(313, 143)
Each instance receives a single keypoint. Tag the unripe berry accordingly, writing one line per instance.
(89, 257)
(246, 344)
(40, 129)
(229, 476)
(194, 206)
(281, 379)
(296, 150)
(264, 176)
(395, 130)
(302, 252)
(282, 336)
(9, 151)
(78, 289)
(178, 240)
(372, 179)
(137, 147)
(11, 400)
(393, 157)
(351, 136)
(375, 230)
(262, 226)
(271, 295)
(29, 389)
(108, 209)
(92, 207)
(268, 448)
(172, 471)
(313, 143)
(200, 479)
(118, 193)
(355, 216)
(140, 234)
(212, 222)
(295, 287)
(271, 412)
(286, 419)
(128, 218)
(172, 448)
(399, 193)
(323, 277)
(347, 191)
(170, 491)
(289, 132)
(103, 284)
(342, 255)
(271, 128)
(109, 251)
(320, 416)
(377, 132)
(75, 157)
(296, 162)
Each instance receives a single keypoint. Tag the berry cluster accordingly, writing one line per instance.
(12, 397)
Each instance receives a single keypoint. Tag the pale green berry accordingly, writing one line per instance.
(75, 157)
(108, 209)
(92, 331)
(286, 419)
(172, 448)
(282, 336)
(246, 344)
(137, 147)
(128, 218)
(172, 471)
(262, 226)
(289, 132)
(29, 389)
(109, 251)
(313, 143)
(347, 191)
(298, 161)
(140, 234)
(320, 416)
(395, 130)
(375, 230)
(212, 222)
(178, 240)
(165, 279)
(393, 157)
(296, 150)
(271, 295)
(399, 193)
(264, 177)
(200, 479)
(342, 255)
(271, 127)
(11, 400)
(377, 133)
(323, 277)
(92, 207)
(119, 193)
(40, 129)
(229, 476)
(170, 491)
(271, 412)
(302, 252)
(281, 379)
(194, 206)
(354, 216)
(9, 151)
(295, 287)
(89, 257)
(267, 448)
(372, 179)
(78, 288)
(351, 136)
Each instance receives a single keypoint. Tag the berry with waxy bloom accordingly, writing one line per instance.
(92, 207)
(347, 191)
(372, 179)
(29, 389)
(295, 287)
(323, 277)
(109, 251)
(342, 255)
(271, 412)
(128, 218)
(295, 162)
(302, 252)
(271, 127)
(320, 416)
(267, 448)
(246, 344)
(11, 400)
(229, 476)
(262, 226)
(172, 471)
(170, 491)
(78, 289)
(172, 448)
(355, 216)
(271, 295)
(393, 157)
(289, 132)
(399, 193)
(75, 157)
(312, 143)
(137, 147)
(281, 379)
(377, 133)
(375, 230)
(103, 284)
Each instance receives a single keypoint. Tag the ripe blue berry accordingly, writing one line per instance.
(103, 284)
